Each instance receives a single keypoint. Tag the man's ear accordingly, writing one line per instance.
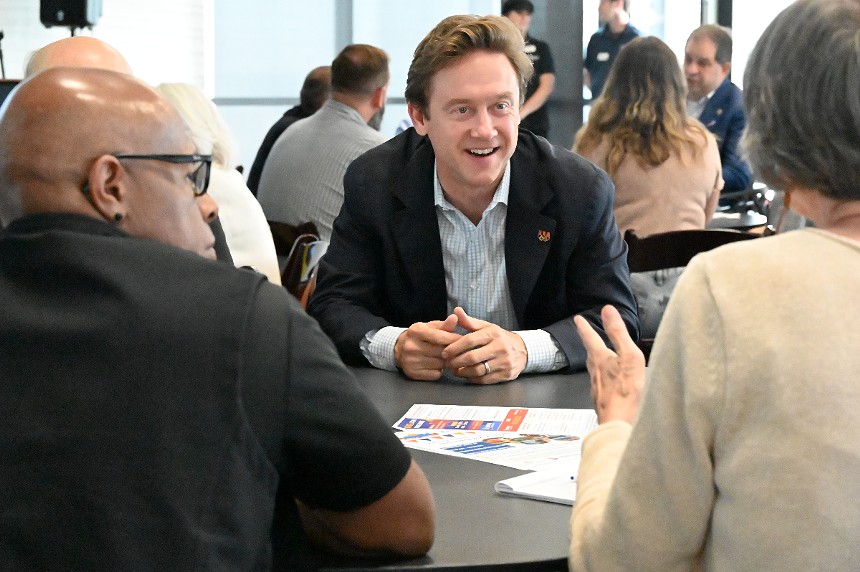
(380, 94)
(416, 114)
(727, 67)
(106, 188)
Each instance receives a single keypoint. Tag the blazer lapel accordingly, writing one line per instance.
(528, 232)
(714, 108)
(416, 230)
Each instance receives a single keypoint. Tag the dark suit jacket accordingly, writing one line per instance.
(384, 265)
(724, 117)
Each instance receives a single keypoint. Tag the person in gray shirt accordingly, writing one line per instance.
(302, 180)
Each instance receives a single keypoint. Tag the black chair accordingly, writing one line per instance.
(672, 250)
(756, 198)
(675, 248)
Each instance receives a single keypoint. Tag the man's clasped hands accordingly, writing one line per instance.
(485, 354)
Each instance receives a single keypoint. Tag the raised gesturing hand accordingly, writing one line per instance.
(617, 377)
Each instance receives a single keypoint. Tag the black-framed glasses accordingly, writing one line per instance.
(199, 177)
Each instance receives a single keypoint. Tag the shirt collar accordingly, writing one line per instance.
(72, 222)
(345, 111)
(704, 100)
(500, 196)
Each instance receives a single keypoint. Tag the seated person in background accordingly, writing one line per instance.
(665, 165)
(85, 52)
(715, 100)
(315, 92)
(462, 222)
(303, 177)
(153, 402)
(245, 227)
(744, 453)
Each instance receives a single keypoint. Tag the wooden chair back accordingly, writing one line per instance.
(676, 248)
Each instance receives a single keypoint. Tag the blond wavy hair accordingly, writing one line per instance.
(642, 110)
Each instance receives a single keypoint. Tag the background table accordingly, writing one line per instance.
(477, 529)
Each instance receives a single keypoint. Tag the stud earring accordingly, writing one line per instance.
(117, 217)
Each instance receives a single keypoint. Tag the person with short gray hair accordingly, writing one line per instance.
(743, 453)
(808, 136)
(245, 229)
(313, 95)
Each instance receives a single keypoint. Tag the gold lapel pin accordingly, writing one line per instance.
(544, 235)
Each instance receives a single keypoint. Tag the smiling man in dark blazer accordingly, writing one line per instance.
(465, 245)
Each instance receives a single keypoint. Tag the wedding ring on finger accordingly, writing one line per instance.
(486, 367)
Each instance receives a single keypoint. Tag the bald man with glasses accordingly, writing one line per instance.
(86, 52)
(153, 403)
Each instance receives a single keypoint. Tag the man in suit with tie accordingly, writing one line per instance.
(715, 100)
(465, 245)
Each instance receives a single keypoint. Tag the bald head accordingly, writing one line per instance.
(77, 52)
(59, 134)
(316, 88)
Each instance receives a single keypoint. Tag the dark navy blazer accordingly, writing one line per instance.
(724, 117)
(384, 265)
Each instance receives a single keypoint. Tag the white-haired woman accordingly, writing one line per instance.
(245, 227)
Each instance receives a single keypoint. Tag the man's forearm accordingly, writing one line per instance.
(539, 97)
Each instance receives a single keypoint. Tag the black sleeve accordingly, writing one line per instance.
(332, 448)
(589, 55)
(545, 64)
(736, 172)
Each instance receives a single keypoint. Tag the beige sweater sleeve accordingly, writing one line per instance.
(601, 454)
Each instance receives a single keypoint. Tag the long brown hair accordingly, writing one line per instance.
(642, 109)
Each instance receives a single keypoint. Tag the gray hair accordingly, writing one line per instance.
(802, 99)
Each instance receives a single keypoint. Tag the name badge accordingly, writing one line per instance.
(603, 57)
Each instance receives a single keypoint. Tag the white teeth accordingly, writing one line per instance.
(481, 151)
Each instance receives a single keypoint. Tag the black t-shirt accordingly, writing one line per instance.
(318, 427)
(538, 52)
(327, 440)
(155, 402)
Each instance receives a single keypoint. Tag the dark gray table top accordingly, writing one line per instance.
(476, 529)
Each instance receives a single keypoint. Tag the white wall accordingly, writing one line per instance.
(749, 20)
(163, 40)
(241, 50)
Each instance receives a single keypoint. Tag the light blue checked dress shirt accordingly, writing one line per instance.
(476, 280)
